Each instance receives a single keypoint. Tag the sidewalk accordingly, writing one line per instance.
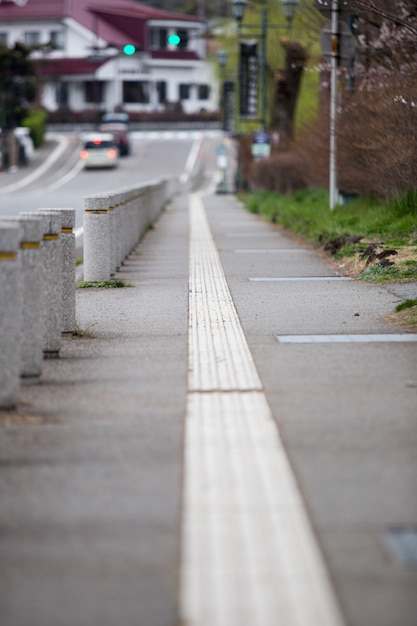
(93, 458)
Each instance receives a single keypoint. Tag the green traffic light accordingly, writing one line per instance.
(129, 49)
(174, 40)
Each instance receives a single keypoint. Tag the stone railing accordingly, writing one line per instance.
(114, 223)
(37, 272)
(37, 294)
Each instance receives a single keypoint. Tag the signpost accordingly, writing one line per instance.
(229, 106)
(261, 148)
(248, 76)
(222, 163)
(345, 46)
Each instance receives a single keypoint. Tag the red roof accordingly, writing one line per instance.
(82, 10)
(69, 66)
(115, 21)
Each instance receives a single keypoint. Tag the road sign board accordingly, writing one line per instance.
(261, 136)
(260, 145)
(346, 7)
(346, 43)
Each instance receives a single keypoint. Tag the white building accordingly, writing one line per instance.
(84, 66)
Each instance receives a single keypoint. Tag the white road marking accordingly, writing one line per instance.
(284, 279)
(62, 144)
(270, 250)
(77, 167)
(176, 135)
(369, 338)
(250, 557)
(252, 235)
(191, 160)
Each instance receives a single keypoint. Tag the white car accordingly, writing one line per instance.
(99, 150)
(25, 142)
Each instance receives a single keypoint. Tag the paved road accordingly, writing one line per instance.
(94, 528)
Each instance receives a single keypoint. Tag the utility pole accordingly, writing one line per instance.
(333, 102)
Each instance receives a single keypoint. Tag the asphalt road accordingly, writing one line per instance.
(93, 459)
(64, 183)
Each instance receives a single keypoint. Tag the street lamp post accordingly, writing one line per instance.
(222, 61)
(289, 8)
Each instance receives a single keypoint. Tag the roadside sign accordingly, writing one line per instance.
(346, 7)
(221, 154)
(261, 147)
(346, 43)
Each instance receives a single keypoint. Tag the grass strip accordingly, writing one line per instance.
(105, 284)
(374, 240)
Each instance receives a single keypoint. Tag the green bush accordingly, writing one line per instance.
(36, 121)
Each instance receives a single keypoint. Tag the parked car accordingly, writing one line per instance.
(120, 133)
(26, 147)
(99, 150)
(115, 118)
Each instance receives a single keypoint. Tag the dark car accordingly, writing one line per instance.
(115, 118)
(120, 133)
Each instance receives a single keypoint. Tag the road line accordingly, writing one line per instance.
(250, 557)
(191, 160)
(285, 279)
(270, 250)
(369, 338)
(76, 168)
(62, 144)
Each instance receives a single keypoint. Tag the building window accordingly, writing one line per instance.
(57, 39)
(61, 93)
(32, 38)
(4, 38)
(184, 91)
(183, 35)
(161, 90)
(159, 38)
(94, 91)
(203, 92)
(136, 92)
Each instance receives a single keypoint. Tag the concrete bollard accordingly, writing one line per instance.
(114, 223)
(112, 234)
(52, 261)
(32, 323)
(68, 270)
(115, 205)
(96, 239)
(10, 317)
(126, 225)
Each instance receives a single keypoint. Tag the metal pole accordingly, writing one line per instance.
(264, 69)
(333, 98)
(237, 94)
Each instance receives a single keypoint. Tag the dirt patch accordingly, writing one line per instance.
(19, 419)
(407, 319)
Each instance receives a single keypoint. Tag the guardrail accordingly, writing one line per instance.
(114, 222)
(37, 272)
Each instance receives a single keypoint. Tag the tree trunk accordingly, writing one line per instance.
(287, 85)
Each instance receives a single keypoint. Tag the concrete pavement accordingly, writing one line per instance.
(93, 458)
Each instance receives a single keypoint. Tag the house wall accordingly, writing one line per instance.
(150, 75)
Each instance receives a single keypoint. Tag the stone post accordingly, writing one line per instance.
(32, 271)
(96, 239)
(10, 318)
(68, 270)
(52, 261)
